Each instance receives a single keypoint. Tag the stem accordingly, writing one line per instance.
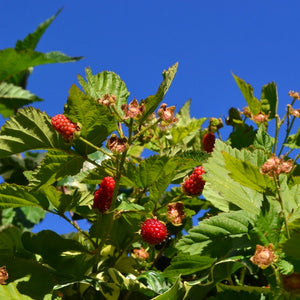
(145, 129)
(74, 225)
(276, 132)
(95, 147)
(288, 130)
(120, 164)
(242, 278)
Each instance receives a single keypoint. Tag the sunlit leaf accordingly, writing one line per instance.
(30, 129)
(247, 91)
(151, 102)
(216, 235)
(55, 166)
(269, 99)
(105, 83)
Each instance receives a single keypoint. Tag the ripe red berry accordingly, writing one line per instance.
(64, 126)
(194, 184)
(153, 231)
(208, 142)
(103, 196)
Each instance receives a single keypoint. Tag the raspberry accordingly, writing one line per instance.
(64, 126)
(208, 142)
(194, 185)
(153, 231)
(103, 196)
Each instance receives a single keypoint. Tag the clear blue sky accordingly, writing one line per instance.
(257, 40)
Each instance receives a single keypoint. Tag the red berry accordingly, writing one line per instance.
(208, 142)
(103, 196)
(64, 126)
(153, 231)
(194, 184)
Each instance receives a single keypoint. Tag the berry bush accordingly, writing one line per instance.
(143, 240)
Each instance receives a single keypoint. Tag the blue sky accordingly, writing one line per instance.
(257, 40)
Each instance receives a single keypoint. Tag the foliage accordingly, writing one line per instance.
(245, 245)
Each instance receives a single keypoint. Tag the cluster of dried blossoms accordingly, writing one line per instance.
(260, 118)
(175, 213)
(3, 275)
(294, 112)
(275, 166)
(264, 256)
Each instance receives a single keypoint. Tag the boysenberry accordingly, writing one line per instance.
(103, 196)
(153, 231)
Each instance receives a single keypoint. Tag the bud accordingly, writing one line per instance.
(264, 256)
(276, 166)
(141, 253)
(246, 112)
(285, 166)
(133, 110)
(270, 166)
(175, 213)
(116, 145)
(260, 118)
(294, 95)
(3, 275)
(294, 112)
(215, 124)
(107, 100)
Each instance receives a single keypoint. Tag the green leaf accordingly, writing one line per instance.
(156, 173)
(96, 120)
(10, 291)
(29, 129)
(247, 91)
(293, 140)
(27, 274)
(97, 86)
(224, 192)
(217, 235)
(68, 257)
(55, 166)
(292, 247)
(10, 239)
(186, 133)
(13, 62)
(268, 225)
(248, 175)
(176, 292)
(13, 97)
(291, 202)
(151, 102)
(242, 136)
(263, 140)
(269, 99)
(30, 42)
(32, 39)
(183, 115)
(12, 195)
(188, 264)
(154, 280)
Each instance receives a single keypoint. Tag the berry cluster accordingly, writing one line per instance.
(103, 196)
(153, 231)
(208, 142)
(64, 126)
(194, 184)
